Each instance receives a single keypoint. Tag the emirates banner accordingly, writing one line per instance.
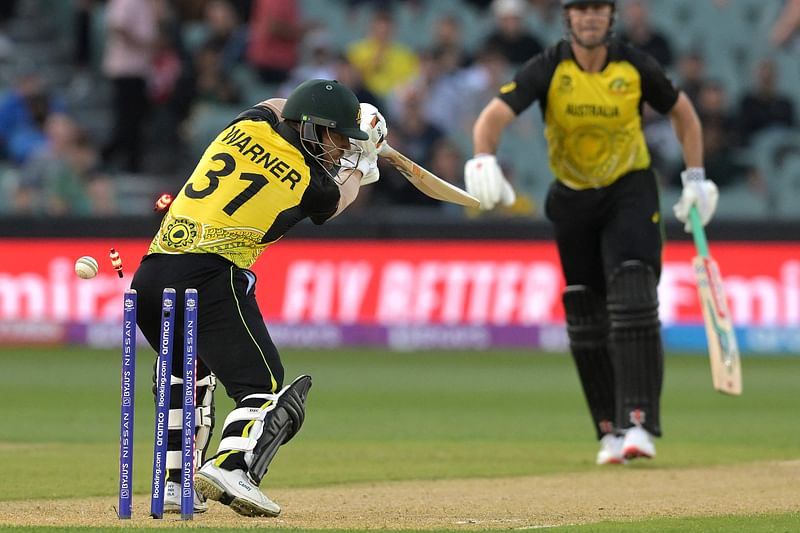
(401, 294)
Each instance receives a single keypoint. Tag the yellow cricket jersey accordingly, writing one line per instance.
(252, 184)
(593, 121)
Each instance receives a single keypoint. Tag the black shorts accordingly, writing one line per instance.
(598, 229)
(232, 339)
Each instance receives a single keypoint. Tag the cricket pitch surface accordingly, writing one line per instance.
(609, 493)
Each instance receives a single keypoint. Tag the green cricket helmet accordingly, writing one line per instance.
(326, 103)
(566, 4)
(570, 3)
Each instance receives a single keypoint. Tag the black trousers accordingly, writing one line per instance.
(130, 103)
(232, 339)
(598, 229)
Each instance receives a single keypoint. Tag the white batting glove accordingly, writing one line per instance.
(368, 165)
(697, 191)
(485, 181)
(374, 124)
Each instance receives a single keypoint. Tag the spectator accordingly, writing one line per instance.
(548, 11)
(225, 33)
(211, 84)
(720, 137)
(762, 106)
(480, 83)
(713, 108)
(131, 37)
(320, 62)
(640, 33)
(23, 113)
(82, 28)
(439, 80)
(349, 76)
(692, 74)
(62, 177)
(415, 134)
(276, 32)
(165, 72)
(448, 40)
(510, 37)
(383, 63)
(786, 30)
(415, 137)
(447, 162)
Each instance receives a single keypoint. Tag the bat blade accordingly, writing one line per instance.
(426, 181)
(723, 350)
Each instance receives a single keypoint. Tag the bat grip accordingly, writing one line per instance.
(698, 232)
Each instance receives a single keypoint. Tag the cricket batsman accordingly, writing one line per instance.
(604, 205)
(274, 165)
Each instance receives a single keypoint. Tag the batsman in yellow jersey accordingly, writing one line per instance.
(274, 165)
(604, 205)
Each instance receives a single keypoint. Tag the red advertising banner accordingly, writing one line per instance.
(399, 282)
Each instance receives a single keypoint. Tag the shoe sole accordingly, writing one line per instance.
(635, 453)
(612, 462)
(214, 491)
(177, 509)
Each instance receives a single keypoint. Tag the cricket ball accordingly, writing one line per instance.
(86, 267)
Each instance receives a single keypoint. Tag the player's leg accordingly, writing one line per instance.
(238, 349)
(576, 225)
(204, 426)
(149, 280)
(632, 253)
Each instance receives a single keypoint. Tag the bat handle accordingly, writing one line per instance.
(387, 151)
(698, 232)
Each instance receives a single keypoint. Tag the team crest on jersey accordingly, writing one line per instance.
(619, 86)
(180, 234)
(565, 84)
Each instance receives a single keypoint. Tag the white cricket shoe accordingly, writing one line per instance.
(611, 450)
(234, 488)
(172, 499)
(638, 443)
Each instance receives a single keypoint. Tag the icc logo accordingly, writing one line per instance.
(168, 304)
(191, 303)
(128, 304)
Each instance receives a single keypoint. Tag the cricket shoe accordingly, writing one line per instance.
(172, 499)
(638, 443)
(234, 489)
(611, 450)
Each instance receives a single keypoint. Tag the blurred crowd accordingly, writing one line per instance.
(145, 84)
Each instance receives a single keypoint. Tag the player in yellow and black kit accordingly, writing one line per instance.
(605, 209)
(274, 165)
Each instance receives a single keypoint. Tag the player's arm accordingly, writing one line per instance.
(687, 128)
(697, 190)
(489, 126)
(664, 97)
(348, 189)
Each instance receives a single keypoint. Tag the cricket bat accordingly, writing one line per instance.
(723, 350)
(426, 181)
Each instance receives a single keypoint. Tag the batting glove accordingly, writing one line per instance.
(374, 124)
(697, 191)
(485, 181)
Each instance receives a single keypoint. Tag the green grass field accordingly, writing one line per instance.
(375, 417)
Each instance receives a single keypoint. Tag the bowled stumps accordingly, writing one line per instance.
(163, 383)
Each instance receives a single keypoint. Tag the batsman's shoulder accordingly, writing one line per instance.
(259, 113)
